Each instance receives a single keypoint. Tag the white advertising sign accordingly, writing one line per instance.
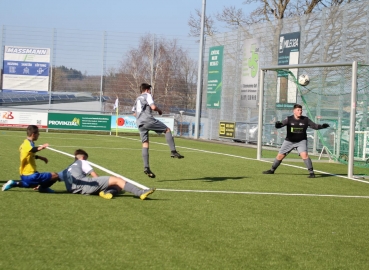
(26, 69)
(23, 119)
(250, 73)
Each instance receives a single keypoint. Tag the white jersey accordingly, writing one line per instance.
(80, 169)
(77, 171)
(143, 110)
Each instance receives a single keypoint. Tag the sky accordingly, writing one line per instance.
(167, 18)
(162, 17)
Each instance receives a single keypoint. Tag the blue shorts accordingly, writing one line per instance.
(36, 179)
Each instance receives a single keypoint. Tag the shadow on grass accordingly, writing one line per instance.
(326, 175)
(317, 175)
(64, 192)
(207, 179)
(125, 195)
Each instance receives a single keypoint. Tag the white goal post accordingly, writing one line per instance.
(353, 106)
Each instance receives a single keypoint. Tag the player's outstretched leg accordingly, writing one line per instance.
(142, 193)
(172, 146)
(146, 193)
(8, 185)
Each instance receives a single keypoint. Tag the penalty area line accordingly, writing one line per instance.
(103, 169)
(265, 193)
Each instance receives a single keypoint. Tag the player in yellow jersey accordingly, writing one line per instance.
(30, 177)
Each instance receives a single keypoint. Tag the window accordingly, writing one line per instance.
(200, 129)
(183, 129)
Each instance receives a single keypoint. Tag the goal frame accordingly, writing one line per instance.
(354, 66)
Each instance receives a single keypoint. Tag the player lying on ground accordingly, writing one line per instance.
(296, 139)
(80, 178)
(30, 177)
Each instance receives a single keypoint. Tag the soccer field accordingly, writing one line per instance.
(214, 209)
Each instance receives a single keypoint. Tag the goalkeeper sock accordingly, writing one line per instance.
(275, 165)
(309, 165)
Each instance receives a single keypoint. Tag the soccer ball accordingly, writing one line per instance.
(304, 79)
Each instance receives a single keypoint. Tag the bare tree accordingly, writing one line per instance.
(164, 64)
(265, 11)
(195, 24)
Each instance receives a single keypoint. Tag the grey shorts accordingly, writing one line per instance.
(287, 147)
(157, 126)
(92, 186)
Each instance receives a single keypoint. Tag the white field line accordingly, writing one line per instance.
(103, 169)
(230, 155)
(265, 193)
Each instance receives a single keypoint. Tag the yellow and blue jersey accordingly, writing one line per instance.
(27, 158)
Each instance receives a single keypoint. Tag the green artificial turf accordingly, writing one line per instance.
(214, 209)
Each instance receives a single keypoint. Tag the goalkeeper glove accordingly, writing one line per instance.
(278, 124)
(325, 126)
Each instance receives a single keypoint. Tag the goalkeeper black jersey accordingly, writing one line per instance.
(296, 128)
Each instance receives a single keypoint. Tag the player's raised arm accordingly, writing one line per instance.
(317, 126)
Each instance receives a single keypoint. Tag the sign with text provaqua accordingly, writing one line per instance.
(26, 69)
(250, 72)
(79, 121)
(215, 71)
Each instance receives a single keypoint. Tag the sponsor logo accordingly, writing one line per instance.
(8, 115)
(287, 43)
(75, 122)
(27, 51)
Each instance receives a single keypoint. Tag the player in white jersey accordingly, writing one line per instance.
(80, 178)
(146, 122)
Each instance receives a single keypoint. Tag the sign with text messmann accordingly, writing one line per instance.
(26, 69)
(79, 121)
(215, 70)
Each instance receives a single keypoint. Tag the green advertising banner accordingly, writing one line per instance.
(215, 70)
(79, 121)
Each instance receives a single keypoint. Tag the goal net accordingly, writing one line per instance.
(327, 98)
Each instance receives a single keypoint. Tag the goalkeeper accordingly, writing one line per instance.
(296, 139)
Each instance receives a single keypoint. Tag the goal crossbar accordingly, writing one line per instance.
(306, 66)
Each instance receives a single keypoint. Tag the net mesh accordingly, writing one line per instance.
(325, 99)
